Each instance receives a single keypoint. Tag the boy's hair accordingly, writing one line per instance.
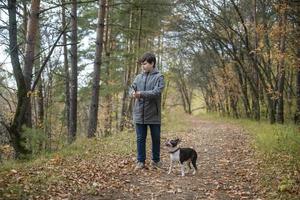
(149, 57)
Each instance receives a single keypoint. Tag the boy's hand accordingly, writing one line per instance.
(136, 95)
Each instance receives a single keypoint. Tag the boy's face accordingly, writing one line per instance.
(147, 67)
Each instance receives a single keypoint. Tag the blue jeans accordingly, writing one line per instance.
(141, 135)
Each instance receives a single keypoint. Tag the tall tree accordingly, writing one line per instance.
(23, 79)
(126, 77)
(22, 99)
(74, 74)
(93, 113)
(255, 98)
(108, 96)
(66, 68)
(31, 34)
(39, 96)
(296, 5)
(281, 66)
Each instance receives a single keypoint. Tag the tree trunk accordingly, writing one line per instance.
(233, 103)
(244, 89)
(255, 97)
(185, 94)
(137, 69)
(281, 67)
(66, 69)
(108, 96)
(165, 94)
(40, 105)
(32, 28)
(179, 86)
(124, 114)
(74, 73)
(108, 111)
(39, 96)
(297, 113)
(40, 110)
(15, 130)
(116, 110)
(205, 92)
(93, 113)
(48, 107)
(24, 25)
(127, 77)
(226, 102)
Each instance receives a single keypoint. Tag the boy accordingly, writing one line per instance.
(146, 91)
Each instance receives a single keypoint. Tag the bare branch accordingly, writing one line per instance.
(48, 57)
(7, 101)
(67, 3)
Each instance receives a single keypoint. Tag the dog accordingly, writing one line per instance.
(181, 155)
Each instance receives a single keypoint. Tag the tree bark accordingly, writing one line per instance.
(93, 113)
(165, 94)
(297, 113)
(281, 67)
(108, 96)
(74, 74)
(66, 69)
(39, 96)
(32, 28)
(255, 97)
(127, 79)
(137, 69)
(15, 129)
(244, 89)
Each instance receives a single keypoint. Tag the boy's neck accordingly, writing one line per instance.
(149, 71)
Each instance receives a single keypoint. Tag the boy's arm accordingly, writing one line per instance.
(133, 87)
(156, 91)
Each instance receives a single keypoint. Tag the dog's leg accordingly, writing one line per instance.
(189, 165)
(194, 166)
(194, 172)
(182, 169)
(171, 166)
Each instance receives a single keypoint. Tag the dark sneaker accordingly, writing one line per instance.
(139, 165)
(156, 164)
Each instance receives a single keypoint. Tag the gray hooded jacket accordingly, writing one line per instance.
(147, 109)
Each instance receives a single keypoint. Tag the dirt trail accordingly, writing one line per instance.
(226, 168)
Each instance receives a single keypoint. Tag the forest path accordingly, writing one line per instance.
(226, 168)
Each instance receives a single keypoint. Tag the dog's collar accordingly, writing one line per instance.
(174, 150)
